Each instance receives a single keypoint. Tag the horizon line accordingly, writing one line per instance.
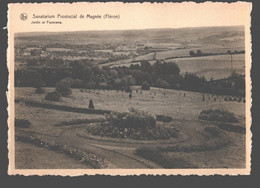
(189, 27)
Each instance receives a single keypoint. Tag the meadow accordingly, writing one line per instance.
(215, 67)
(173, 103)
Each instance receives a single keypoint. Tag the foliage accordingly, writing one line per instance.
(163, 118)
(133, 124)
(85, 74)
(23, 123)
(53, 96)
(162, 83)
(218, 115)
(145, 86)
(85, 157)
(131, 119)
(63, 87)
(91, 105)
(151, 133)
(39, 90)
(232, 128)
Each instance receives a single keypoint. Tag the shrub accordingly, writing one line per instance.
(162, 83)
(109, 130)
(133, 124)
(85, 157)
(23, 123)
(131, 119)
(91, 105)
(145, 86)
(63, 87)
(128, 90)
(53, 96)
(218, 115)
(163, 118)
(39, 90)
(232, 128)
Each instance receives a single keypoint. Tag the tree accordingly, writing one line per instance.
(128, 90)
(63, 87)
(192, 53)
(91, 105)
(128, 81)
(53, 96)
(199, 52)
(145, 86)
(162, 83)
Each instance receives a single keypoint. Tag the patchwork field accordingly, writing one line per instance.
(215, 67)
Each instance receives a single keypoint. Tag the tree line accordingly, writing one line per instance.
(85, 74)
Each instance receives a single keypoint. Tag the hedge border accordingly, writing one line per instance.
(85, 157)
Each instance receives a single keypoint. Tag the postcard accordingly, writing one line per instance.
(129, 88)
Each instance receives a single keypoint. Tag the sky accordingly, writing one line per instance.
(132, 16)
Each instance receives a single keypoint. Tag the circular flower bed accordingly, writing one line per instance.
(133, 124)
(156, 133)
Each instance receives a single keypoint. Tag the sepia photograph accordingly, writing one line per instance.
(123, 89)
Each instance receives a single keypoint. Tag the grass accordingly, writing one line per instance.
(216, 140)
(211, 66)
(28, 156)
(173, 104)
(84, 157)
(66, 108)
(160, 158)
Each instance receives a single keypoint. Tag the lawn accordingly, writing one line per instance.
(154, 102)
(183, 110)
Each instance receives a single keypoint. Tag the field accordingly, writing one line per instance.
(215, 67)
(183, 109)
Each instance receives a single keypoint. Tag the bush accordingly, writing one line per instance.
(131, 119)
(145, 86)
(128, 90)
(232, 128)
(163, 118)
(23, 123)
(53, 96)
(63, 87)
(218, 115)
(134, 124)
(39, 90)
(155, 133)
(91, 105)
